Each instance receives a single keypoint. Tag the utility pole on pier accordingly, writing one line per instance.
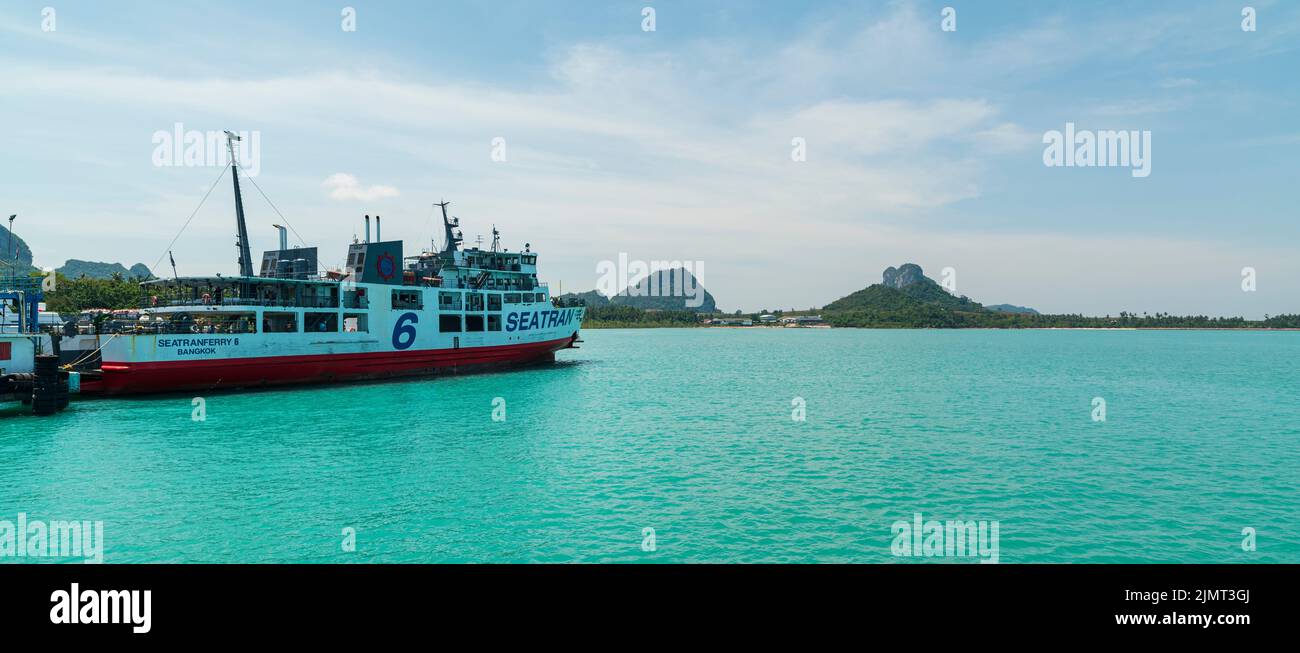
(12, 244)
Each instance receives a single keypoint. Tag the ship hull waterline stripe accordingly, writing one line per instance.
(173, 376)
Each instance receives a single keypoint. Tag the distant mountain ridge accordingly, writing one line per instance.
(589, 298)
(76, 268)
(1012, 308)
(10, 241)
(665, 290)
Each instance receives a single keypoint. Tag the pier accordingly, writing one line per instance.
(29, 358)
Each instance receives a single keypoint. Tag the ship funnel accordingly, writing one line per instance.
(378, 238)
(367, 229)
(284, 236)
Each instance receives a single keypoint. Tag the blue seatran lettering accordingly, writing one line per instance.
(404, 331)
(538, 320)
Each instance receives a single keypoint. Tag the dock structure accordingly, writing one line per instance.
(29, 361)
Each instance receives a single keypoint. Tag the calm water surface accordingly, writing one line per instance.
(689, 432)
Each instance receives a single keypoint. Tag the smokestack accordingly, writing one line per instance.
(378, 238)
(284, 236)
(367, 229)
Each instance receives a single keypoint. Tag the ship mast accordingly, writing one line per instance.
(452, 239)
(245, 257)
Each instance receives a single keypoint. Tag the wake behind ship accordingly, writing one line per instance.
(384, 315)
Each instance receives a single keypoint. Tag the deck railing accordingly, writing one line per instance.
(318, 302)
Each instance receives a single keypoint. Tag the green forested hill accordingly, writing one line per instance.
(903, 288)
(906, 298)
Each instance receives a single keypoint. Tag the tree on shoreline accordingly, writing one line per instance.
(83, 293)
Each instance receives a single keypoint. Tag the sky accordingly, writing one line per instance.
(919, 144)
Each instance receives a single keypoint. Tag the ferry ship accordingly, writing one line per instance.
(448, 309)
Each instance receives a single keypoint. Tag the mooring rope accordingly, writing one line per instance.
(187, 222)
(87, 356)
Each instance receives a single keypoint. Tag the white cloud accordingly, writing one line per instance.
(344, 187)
(1007, 137)
(1141, 107)
(883, 127)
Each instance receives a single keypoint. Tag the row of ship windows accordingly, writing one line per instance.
(359, 323)
(500, 262)
(452, 323)
(474, 301)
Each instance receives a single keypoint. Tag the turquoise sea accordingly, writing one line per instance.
(690, 433)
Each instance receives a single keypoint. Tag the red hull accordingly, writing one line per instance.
(135, 378)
